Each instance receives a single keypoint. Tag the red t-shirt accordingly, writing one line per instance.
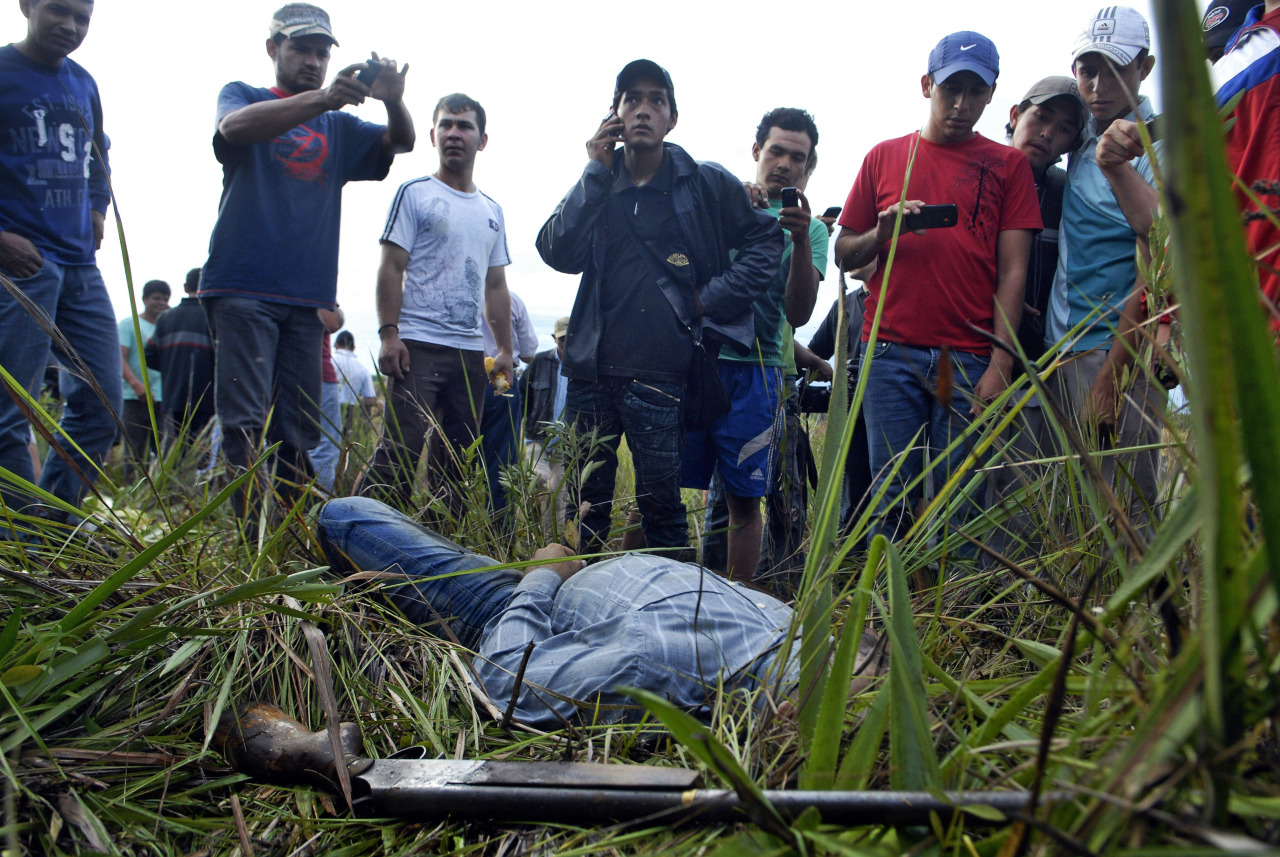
(945, 280)
(1253, 153)
(328, 374)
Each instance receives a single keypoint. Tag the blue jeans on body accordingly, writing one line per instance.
(651, 415)
(75, 300)
(449, 585)
(499, 427)
(904, 417)
(267, 379)
(324, 455)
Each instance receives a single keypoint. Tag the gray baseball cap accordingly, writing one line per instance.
(1053, 87)
(301, 19)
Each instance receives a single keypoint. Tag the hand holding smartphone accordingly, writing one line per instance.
(369, 73)
(932, 217)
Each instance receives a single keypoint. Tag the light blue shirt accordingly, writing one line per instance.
(1096, 248)
(562, 393)
(637, 620)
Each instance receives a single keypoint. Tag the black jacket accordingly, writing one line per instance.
(182, 349)
(715, 216)
(538, 393)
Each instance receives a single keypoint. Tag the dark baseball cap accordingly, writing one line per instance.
(1057, 86)
(965, 51)
(1222, 20)
(637, 69)
(301, 19)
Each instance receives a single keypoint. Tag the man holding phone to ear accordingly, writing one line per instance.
(945, 281)
(671, 251)
(286, 153)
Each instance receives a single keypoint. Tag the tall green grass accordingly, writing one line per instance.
(1052, 674)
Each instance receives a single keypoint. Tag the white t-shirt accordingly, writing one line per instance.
(524, 338)
(355, 380)
(453, 240)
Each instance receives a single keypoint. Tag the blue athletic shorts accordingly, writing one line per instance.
(743, 442)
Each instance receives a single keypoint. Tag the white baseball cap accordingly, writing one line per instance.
(1120, 32)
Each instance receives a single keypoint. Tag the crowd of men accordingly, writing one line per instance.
(681, 337)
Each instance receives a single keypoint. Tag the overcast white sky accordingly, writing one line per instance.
(545, 73)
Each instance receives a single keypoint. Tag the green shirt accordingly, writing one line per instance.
(125, 328)
(769, 308)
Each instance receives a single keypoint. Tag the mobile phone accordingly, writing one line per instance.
(833, 211)
(932, 217)
(1153, 128)
(790, 197)
(369, 73)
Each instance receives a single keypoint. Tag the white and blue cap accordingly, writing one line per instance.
(1119, 32)
(965, 51)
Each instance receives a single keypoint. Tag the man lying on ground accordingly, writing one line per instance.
(638, 620)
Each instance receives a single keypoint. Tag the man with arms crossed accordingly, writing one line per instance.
(651, 232)
(943, 281)
(742, 446)
(286, 153)
(1107, 208)
(444, 251)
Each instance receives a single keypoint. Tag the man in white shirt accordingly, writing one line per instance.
(444, 251)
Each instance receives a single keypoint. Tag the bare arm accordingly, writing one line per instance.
(393, 357)
(497, 311)
(1104, 398)
(129, 378)
(807, 361)
(802, 277)
(1117, 147)
(333, 319)
(389, 89)
(855, 249)
(1013, 247)
(266, 120)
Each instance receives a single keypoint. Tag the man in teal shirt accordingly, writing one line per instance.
(136, 415)
(742, 445)
(1096, 302)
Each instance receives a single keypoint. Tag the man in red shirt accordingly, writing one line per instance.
(945, 282)
(1251, 69)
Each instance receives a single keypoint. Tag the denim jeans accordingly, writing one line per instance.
(450, 585)
(267, 380)
(324, 455)
(500, 426)
(76, 301)
(904, 417)
(651, 415)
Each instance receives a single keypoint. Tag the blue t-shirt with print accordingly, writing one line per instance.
(50, 174)
(276, 238)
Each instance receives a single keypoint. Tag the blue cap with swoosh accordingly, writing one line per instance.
(965, 51)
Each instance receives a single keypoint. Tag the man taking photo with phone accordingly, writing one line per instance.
(741, 448)
(930, 372)
(286, 153)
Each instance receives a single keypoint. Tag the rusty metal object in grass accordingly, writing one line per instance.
(262, 741)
